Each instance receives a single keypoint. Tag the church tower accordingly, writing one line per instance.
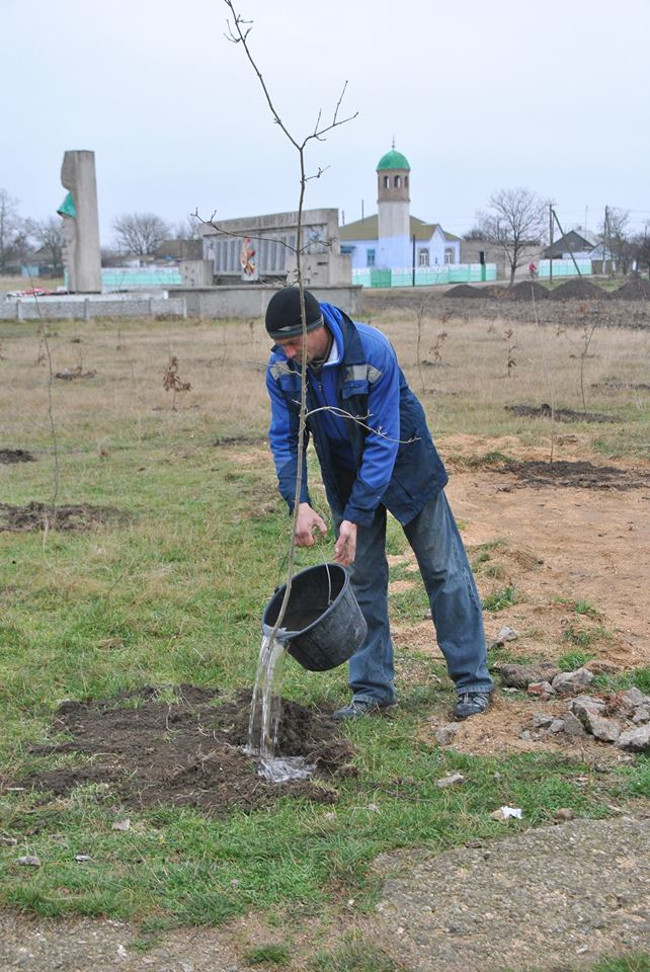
(393, 205)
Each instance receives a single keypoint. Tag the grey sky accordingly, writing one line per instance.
(478, 95)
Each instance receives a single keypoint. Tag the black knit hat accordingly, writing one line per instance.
(283, 318)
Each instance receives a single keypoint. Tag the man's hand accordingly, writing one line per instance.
(345, 547)
(308, 521)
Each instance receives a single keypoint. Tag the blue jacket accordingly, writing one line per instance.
(387, 456)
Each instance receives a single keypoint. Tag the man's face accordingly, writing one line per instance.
(316, 343)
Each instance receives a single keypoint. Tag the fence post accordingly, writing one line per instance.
(19, 310)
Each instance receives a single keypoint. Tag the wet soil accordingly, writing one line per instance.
(43, 516)
(185, 747)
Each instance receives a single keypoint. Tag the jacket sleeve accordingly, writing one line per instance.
(283, 438)
(382, 441)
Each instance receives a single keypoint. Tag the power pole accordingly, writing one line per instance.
(550, 233)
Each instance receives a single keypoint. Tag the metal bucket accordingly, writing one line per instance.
(323, 624)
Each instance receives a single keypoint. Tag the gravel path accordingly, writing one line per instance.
(550, 898)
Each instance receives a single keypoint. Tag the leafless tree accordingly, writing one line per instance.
(188, 228)
(140, 233)
(615, 239)
(515, 219)
(13, 232)
(48, 233)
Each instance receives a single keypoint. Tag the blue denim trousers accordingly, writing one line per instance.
(453, 598)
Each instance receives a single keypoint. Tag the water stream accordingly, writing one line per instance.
(266, 711)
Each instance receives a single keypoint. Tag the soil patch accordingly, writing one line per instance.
(578, 290)
(633, 290)
(9, 456)
(583, 475)
(43, 516)
(465, 290)
(187, 752)
(529, 290)
(559, 414)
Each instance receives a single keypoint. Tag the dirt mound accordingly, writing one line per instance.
(42, 516)
(465, 290)
(8, 456)
(529, 289)
(186, 752)
(578, 290)
(633, 290)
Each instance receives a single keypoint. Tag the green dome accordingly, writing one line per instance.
(393, 160)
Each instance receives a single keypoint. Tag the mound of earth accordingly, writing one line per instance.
(187, 752)
(559, 414)
(578, 290)
(466, 290)
(527, 289)
(633, 290)
(9, 456)
(43, 516)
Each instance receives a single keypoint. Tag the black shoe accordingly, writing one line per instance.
(471, 704)
(361, 707)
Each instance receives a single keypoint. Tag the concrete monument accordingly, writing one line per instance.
(81, 253)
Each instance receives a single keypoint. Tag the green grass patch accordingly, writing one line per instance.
(500, 599)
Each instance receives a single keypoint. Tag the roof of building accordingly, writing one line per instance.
(393, 160)
(571, 242)
(368, 229)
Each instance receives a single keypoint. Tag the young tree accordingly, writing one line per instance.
(140, 233)
(515, 219)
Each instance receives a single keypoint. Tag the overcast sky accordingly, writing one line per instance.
(478, 94)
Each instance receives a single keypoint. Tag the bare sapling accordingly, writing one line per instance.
(511, 364)
(239, 31)
(172, 381)
(581, 353)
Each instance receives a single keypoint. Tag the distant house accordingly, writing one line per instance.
(573, 244)
(392, 238)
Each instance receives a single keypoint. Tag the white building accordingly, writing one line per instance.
(393, 239)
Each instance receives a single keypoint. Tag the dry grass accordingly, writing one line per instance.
(464, 392)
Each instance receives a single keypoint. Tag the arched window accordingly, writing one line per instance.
(386, 182)
(398, 182)
(406, 181)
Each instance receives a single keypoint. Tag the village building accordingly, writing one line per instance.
(392, 239)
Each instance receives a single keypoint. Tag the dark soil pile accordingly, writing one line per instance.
(9, 456)
(529, 289)
(465, 290)
(560, 414)
(188, 752)
(633, 290)
(574, 474)
(41, 516)
(578, 290)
